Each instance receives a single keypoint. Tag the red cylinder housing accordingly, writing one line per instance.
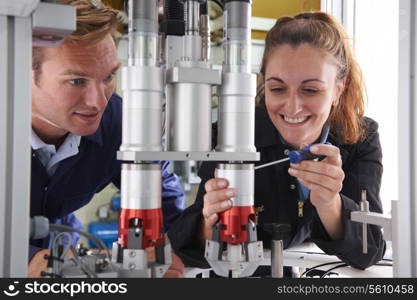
(233, 224)
(152, 223)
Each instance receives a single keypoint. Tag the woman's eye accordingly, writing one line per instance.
(310, 91)
(77, 82)
(277, 89)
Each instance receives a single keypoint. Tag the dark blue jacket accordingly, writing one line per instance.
(276, 195)
(79, 177)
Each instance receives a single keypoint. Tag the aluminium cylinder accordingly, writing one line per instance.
(242, 178)
(142, 108)
(237, 37)
(236, 125)
(277, 259)
(189, 109)
(141, 186)
(143, 33)
(142, 81)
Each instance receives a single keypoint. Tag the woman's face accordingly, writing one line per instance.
(300, 89)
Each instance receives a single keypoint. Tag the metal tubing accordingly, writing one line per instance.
(141, 186)
(237, 94)
(242, 178)
(142, 81)
(277, 259)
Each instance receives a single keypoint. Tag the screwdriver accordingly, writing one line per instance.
(295, 157)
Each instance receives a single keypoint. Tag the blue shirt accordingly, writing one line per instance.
(77, 178)
(49, 156)
(304, 192)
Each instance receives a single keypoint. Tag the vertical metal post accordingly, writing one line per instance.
(15, 112)
(405, 260)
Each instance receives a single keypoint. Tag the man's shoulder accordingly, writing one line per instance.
(111, 123)
(109, 133)
(114, 107)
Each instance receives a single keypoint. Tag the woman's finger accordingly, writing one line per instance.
(331, 152)
(320, 167)
(331, 184)
(216, 184)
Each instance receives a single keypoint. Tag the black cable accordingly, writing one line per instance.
(318, 266)
(384, 264)
(95, 239)
(334, 268)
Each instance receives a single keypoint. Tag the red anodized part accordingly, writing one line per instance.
(152, 223)
(233, 224)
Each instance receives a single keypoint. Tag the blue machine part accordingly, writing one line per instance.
(106, 231)
(115, 203)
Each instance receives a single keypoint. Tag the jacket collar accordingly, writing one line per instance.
(96, 137)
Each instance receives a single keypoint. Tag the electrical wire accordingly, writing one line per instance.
(99, 242)
(79, 261)
(57, 258)
(334, 268)
(318, 266)
(381, 264)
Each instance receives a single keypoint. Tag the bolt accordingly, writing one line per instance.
(132, 266)
(132, 253)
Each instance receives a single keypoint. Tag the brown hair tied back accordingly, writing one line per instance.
(322, 31)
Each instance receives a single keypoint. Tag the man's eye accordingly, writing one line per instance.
(77, 82)
(110, 77)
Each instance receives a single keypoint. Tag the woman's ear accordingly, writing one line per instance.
(340, 87)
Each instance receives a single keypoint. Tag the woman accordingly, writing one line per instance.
(312, 93)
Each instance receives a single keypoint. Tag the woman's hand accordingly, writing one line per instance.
(325, 181)
(216, 200)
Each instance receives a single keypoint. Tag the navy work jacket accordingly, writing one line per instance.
(276, 195)
(79, 177)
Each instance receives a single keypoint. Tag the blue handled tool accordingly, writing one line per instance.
(295, 157)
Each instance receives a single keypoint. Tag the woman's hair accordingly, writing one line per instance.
(94, 22)
(322, 31)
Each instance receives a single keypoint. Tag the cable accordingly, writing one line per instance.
(57, 257)
(334, 268)
(99, 242)
(384, 264)
(318, 266)
(79, 261)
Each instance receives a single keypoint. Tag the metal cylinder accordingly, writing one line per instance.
(189, 110)
(277, 259)
(141, 186)
(142, 108)
(236, 125)
(142, 81)
(192, 17)
(237, 41)
(205, 37)
(143, 33)
(192, 48)
(240, 177)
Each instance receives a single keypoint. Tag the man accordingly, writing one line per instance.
(77, 126)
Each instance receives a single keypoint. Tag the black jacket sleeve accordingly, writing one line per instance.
(185, 235)
(363, 171)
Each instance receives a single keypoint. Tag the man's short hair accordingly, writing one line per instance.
(94, 22)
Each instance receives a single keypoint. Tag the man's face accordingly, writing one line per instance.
(74, 86)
